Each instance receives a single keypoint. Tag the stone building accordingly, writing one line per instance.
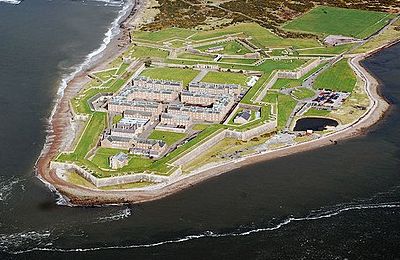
(213, 88)
(157, 84)
(118, 161)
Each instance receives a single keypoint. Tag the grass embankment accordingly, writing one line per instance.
(176, 74)
(339, 77)
(303, 93)
(324, 20)
(230, 48)
(168, 137)
(261, 36)
(286, 105)
(282, 83)
(144, 52)
(223, 150)
(264, 117)
(192, 56)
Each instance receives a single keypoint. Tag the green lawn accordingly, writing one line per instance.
(231, 48)
(225, 77)
(316, 112)
(324, 20)
(101, 158)
(168, 137)
(271, 97)
(89, 138)
(286, 104)
(144, 52)
(303, 93)
(195, 57)
(339, 77)
(177, 74)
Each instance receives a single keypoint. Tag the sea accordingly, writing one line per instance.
(336, 202)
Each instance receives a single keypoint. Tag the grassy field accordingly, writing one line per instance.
(195, 57)
(303, 93)
(324, 20)
(316, 112)
(232, 48)
(102, 155)
(286, 104)
(225, 77)
(144, 52)
(93, 129)
(177, 74)
(339, 77)
(168, 137)
(391, 34)
(271, 97)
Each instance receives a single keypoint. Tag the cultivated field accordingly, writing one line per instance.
(325, 21)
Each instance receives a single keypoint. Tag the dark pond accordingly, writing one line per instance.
(314, 123)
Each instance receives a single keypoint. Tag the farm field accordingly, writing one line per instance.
(324, 20)
(339, 77)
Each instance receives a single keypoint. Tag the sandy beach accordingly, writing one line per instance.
(61, 126)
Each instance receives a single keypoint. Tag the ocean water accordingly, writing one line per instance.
(337, 202)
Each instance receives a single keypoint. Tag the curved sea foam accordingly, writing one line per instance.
(320, 214)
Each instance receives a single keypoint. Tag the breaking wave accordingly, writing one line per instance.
(7, 186)
(13, 2)
(121, 214)
(314, 215)
(110, 2)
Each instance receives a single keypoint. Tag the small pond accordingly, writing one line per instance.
(314, 123)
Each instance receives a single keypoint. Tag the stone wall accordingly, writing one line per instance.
(110, 181)
(200, 149)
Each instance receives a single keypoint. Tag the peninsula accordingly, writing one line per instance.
(192, 89)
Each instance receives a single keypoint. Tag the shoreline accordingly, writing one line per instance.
(77, 195)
